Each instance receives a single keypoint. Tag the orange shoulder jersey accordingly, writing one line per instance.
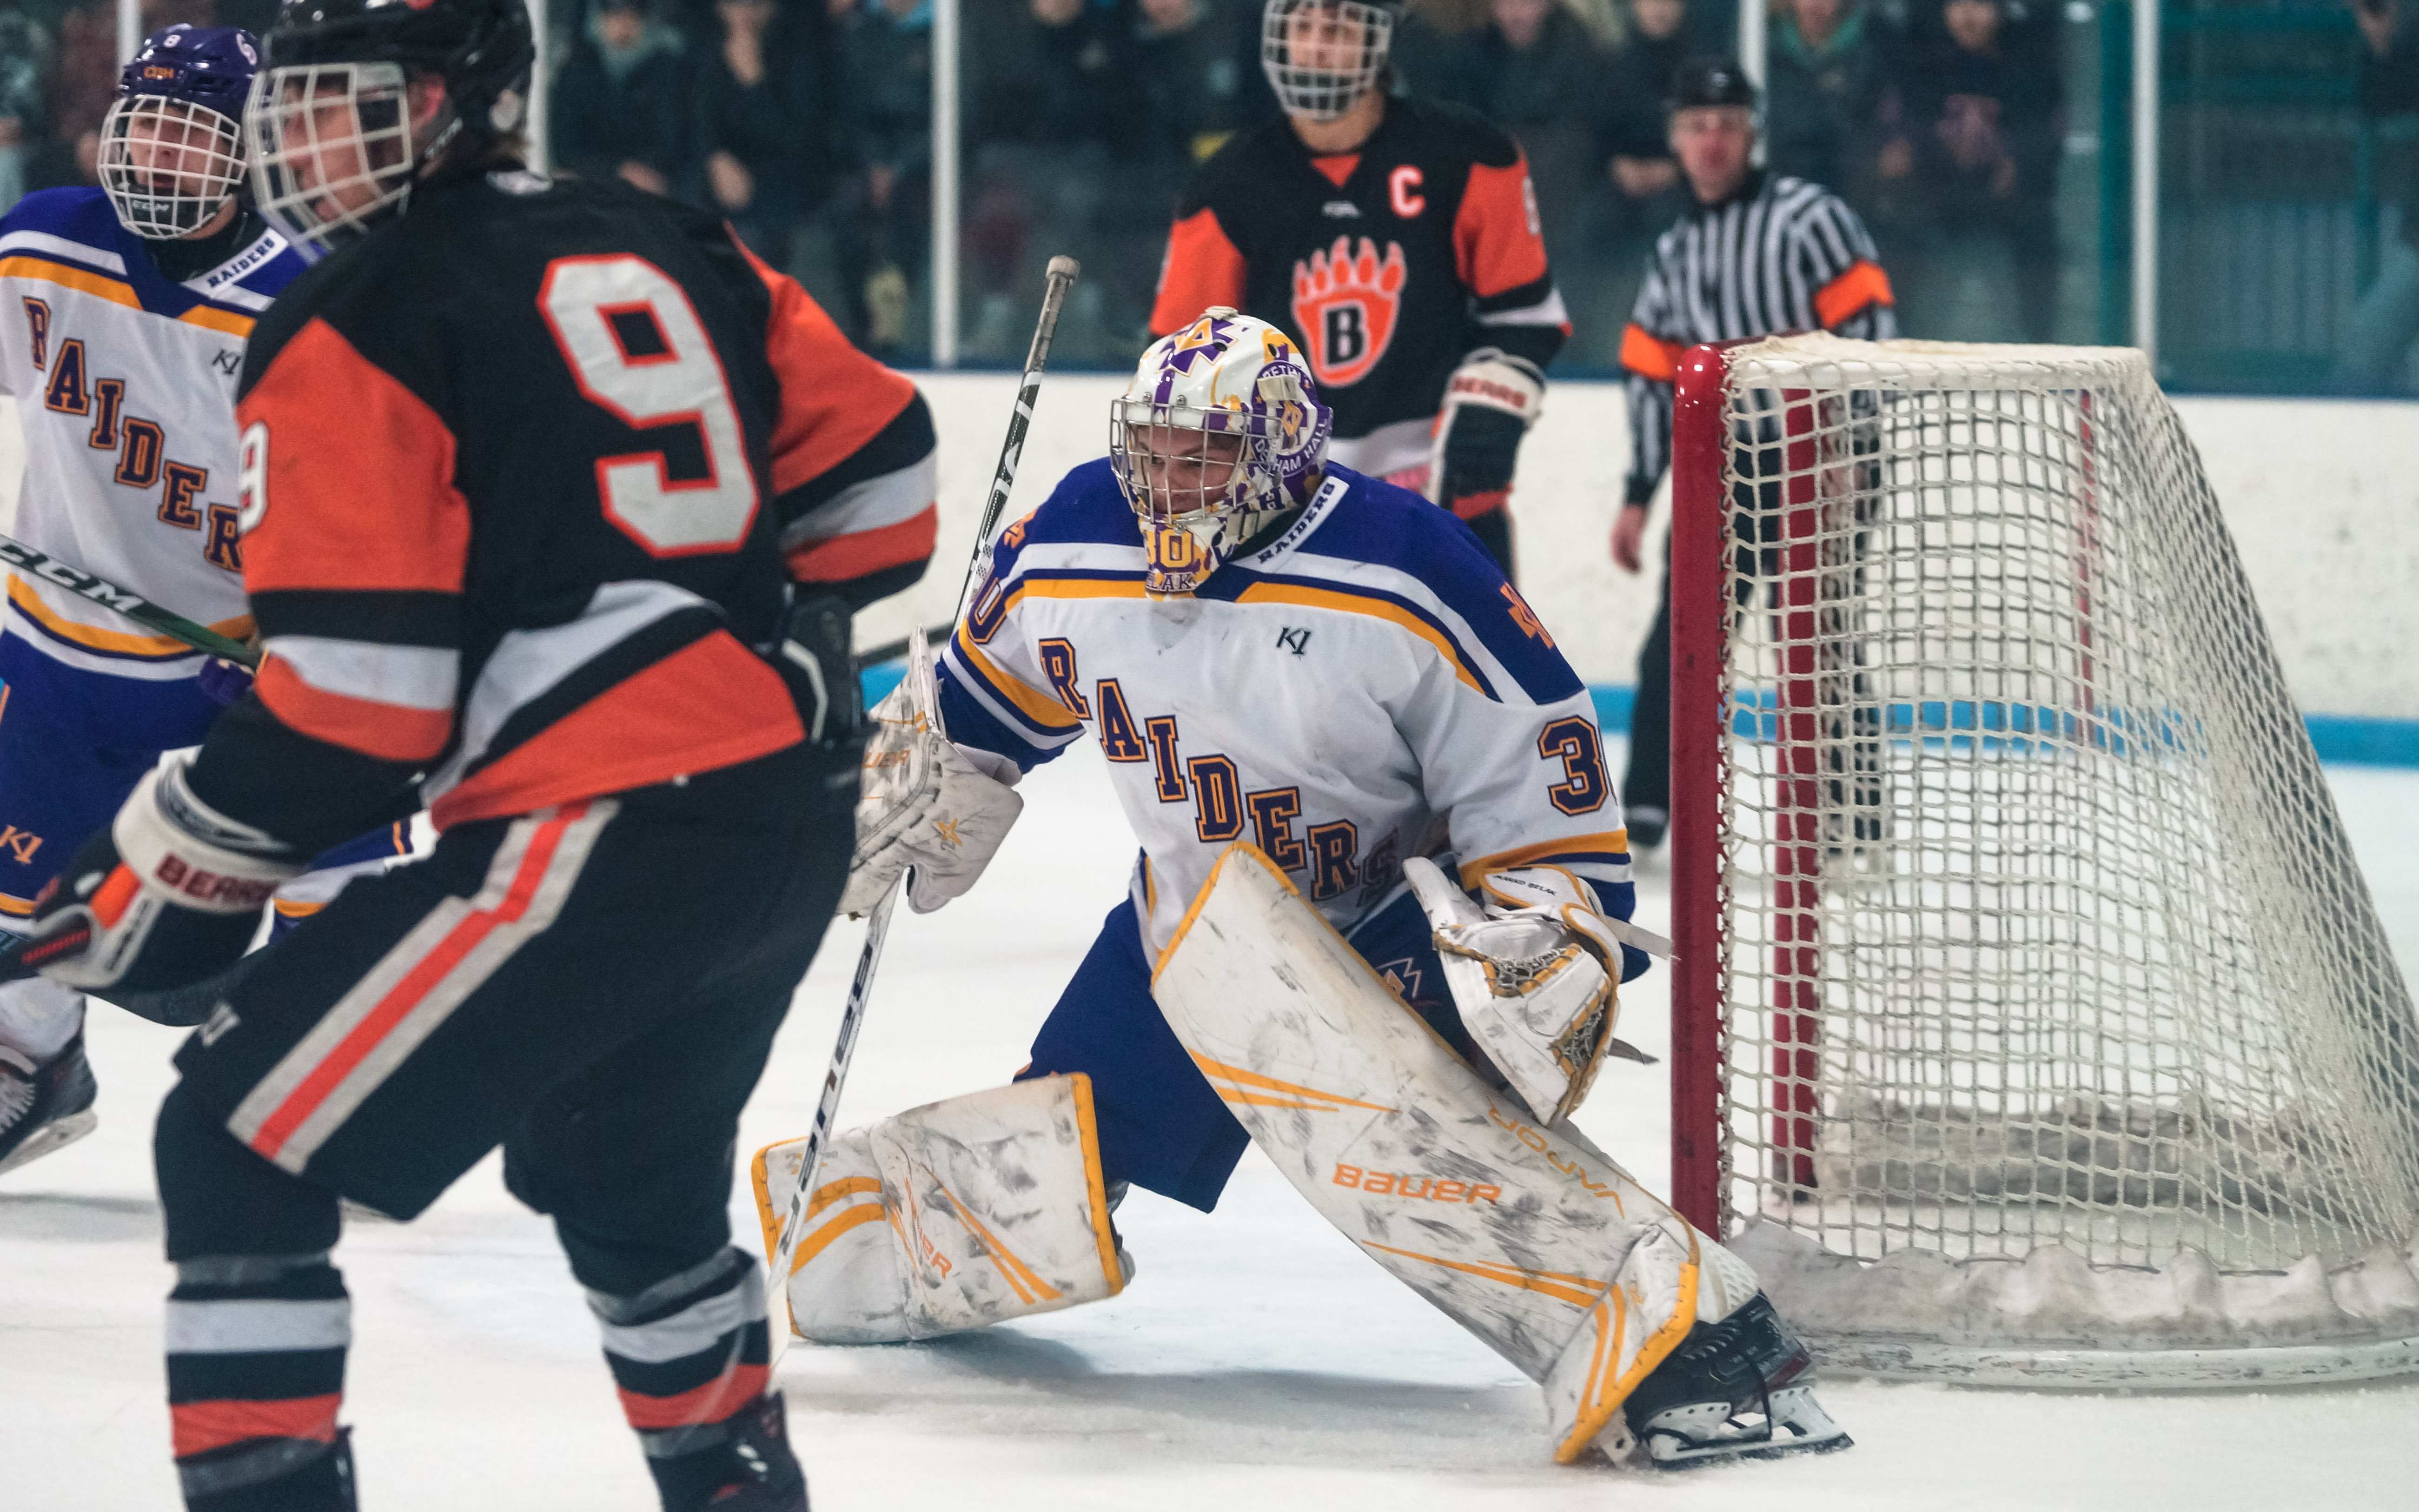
(1387, 265)
(523, 473)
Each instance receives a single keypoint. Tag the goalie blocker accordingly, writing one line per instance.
(1651, 1342)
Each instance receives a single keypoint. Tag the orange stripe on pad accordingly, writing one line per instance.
(1576, 1289)
(433, 968)
(202, 1426)
(1021, 1277)
(816, 1243)
(831, 1192)
(1315, 1098)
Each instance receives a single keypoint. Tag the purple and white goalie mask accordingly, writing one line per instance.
(1219, 434)
(171, 153)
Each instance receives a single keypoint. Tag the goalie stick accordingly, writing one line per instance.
(794, 1221)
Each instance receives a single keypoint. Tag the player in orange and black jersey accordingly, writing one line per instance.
(555, 503)
(1395, 239)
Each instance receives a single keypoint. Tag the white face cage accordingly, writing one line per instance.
(1321, 56)
(168, 165)
(330, 149)
(1179, 465)
(1202, 481)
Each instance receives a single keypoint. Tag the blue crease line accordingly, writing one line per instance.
(2341, 739)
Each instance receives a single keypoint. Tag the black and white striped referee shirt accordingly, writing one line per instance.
(1780, 255)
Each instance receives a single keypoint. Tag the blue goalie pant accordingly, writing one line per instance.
(72, 744)
(1161, 1124)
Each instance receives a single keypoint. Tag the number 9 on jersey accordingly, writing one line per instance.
(637, 350)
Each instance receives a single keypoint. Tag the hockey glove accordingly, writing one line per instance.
(222, 681)
(1490, 403)
(925, 801)
(1536, 977)
(169, 894)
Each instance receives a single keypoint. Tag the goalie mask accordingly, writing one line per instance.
(1220, 432)
(333, 145)
(172, 147)
(1322, 56)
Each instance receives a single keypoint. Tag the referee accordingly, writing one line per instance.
(1757, 256)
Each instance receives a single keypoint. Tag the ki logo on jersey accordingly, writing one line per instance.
(1294, 641)
(1340, 209)
(228, 361)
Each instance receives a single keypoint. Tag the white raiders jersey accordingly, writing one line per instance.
(1365, 689)
(125, 385)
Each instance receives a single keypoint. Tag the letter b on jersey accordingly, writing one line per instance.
(1346, 336)
(1345, 300)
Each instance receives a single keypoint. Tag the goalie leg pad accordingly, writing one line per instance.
(948, 1217)
(1528, 1236)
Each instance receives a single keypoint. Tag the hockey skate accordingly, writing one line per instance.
(760, 1443)
(1739, 1389)
(43, 1107)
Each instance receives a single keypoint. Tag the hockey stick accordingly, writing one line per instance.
(893, 650)
(793, 1222)
(133, 605)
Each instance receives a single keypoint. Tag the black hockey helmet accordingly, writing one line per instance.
(1705, 81)
(481, 48)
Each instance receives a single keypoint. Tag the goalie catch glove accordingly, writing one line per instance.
(1489, 404)
(169, 894)
(925, 801)
(1535, 975)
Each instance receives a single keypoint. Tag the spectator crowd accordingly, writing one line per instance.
(807, 122)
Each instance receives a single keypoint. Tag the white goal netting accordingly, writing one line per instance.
(2060, 1036)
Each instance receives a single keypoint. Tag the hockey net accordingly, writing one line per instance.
(2033, 1020)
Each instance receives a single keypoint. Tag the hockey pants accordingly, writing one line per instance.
(594, 987)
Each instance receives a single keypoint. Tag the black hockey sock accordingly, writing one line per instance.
(257, 1326)
(690, 1354)
(256, 1374)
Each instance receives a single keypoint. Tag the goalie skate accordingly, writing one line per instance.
(1738, 1389)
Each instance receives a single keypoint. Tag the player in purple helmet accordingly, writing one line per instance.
(126, 310)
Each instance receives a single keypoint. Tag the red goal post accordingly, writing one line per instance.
(2031, 1021)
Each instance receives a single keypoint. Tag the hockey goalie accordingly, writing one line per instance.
(1379, 926)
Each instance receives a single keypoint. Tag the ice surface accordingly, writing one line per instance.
(1256, 1362)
